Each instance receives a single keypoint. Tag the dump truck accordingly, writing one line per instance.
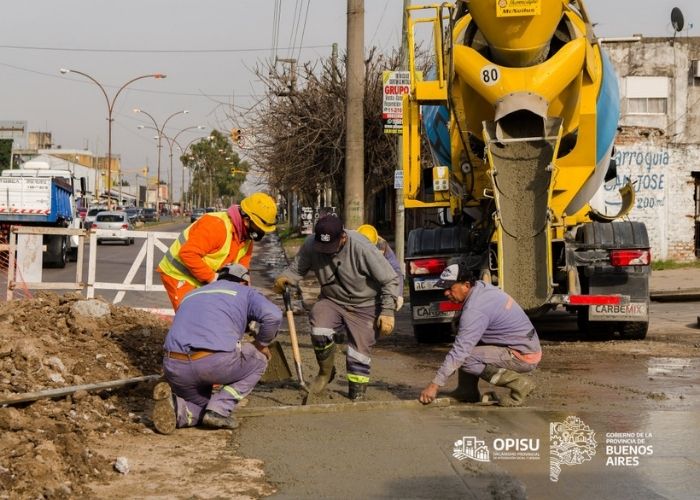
(39, 196)
(506, 139)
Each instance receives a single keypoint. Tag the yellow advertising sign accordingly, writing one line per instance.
(515, 8)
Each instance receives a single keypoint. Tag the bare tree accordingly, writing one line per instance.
(300, 131)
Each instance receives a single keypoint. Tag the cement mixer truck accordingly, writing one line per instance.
(505, 141)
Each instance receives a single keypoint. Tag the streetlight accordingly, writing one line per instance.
(110, 108)
(172, 141)
(182, 153)
(172, 180)
(160, 146)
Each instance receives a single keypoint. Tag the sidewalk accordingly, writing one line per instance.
(675, 284)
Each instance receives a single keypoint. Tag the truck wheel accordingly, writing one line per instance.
(634, 330)
(56, 251)
(433, 333)
(597, 330)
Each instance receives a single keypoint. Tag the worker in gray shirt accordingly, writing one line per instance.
(358, 288)
(496, 340)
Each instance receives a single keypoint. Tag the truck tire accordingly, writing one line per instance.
(593, 330)
(56, 251)
(634, 330)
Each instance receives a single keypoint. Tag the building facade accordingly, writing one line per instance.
(658, 145)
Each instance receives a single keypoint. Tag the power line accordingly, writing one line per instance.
(134, 89)
(156, 51)
(303, 31)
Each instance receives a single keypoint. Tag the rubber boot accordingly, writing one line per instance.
(467, 388)
(326, 370)
(164, 416)
(356, 391)
(520, 385)
(215, 420)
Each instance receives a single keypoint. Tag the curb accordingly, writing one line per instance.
(687, 295)
(341, 407)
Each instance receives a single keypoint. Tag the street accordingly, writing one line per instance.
(609, 419)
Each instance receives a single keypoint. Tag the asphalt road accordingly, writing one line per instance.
(114, 260)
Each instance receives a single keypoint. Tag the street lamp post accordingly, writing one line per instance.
(110, 109)
(172, 142)
(183, 151)
(160, 146)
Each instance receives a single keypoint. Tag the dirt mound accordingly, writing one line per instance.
(56, 341)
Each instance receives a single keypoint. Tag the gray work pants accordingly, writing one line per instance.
(501, 357)
(237, 372)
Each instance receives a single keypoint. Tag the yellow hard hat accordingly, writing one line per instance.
(261, 209)
(369, 232)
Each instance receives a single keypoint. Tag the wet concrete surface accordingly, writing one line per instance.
(648, 389)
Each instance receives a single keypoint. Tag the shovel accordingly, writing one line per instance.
(293, 336)
(277, 368)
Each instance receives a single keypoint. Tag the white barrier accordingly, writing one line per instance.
(28, 260)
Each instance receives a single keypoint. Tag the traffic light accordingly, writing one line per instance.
(236, 135)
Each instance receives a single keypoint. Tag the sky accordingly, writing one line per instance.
(208, 49)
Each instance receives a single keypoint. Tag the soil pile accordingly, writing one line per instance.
(53, 341)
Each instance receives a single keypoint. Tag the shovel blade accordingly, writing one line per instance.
(277, 368)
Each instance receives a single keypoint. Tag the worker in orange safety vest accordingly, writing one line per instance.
(216, 240)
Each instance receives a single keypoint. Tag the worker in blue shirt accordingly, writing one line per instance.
(204, 348)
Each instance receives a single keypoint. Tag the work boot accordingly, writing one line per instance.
(356, 391)
(164, 416)
(520, 385)
(215, 420)
(467, 388)
(326, 369)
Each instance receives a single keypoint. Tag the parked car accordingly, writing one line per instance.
(90, 216)
(196, 214)
(118, 223)
(135, 214)
(150, 215)
(211, 209)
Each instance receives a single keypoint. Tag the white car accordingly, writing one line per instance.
(90, 216)
(117, 222)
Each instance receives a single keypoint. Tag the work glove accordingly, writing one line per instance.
(280, 283)
(399, 302)
(385, 324)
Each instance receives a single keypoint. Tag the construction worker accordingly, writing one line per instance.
(215, 240)
(371, 233)
(357, 294)
(204, 348)
(496, 340)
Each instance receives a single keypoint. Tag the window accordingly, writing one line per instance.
(110, 218)
(647, 95)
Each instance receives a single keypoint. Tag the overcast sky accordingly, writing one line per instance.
(207, 48)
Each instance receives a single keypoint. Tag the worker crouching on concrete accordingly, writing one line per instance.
(204, 348)
(496, 341)
(215, 240)
(357, 294)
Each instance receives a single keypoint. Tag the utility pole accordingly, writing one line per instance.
(354, 117)
(400, 226)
